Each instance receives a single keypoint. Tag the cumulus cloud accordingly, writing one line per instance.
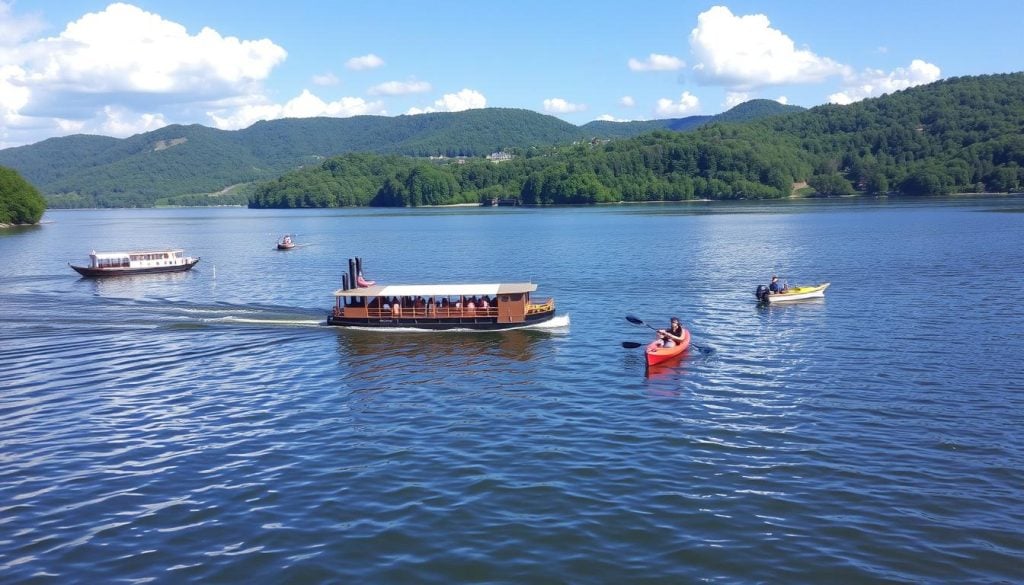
(735, 98)
(745, 52)
(305, 105)
(122, 122)
(561, 106)
(656, 62)
(874, 83)
(16, 28)
(627, 101)
(687, 104)
(370, 61)
(399, 88)
(467, 99)
(611, 118)
(126, 49)
(116, 71)
(782, 100)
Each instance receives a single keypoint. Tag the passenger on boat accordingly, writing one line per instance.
(776, 286)
(671, 336)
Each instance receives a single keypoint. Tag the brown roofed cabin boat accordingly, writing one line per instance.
(146, 262)
(359, 303)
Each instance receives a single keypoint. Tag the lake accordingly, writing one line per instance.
(208, 427)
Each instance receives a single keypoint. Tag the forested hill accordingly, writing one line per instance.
(958, 135)
(178, 160)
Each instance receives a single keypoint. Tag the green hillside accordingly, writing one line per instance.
(185, 164)
(958, 135)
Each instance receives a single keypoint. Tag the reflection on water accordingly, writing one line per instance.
(137, 285)
(426, 346)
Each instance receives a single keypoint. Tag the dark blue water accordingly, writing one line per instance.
(206, 427)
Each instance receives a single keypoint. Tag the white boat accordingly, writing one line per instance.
(142, 262)
(793, 293)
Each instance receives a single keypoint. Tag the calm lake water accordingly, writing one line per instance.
(207, 427)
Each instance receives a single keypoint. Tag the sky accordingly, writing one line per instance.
(123, 68)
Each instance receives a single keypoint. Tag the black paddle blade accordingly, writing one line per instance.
(631, 344)
(634, 320)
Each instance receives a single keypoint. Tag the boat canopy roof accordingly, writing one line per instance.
(108, 255)
(438, 290)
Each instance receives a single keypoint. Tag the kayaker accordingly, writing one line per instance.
(673, 335)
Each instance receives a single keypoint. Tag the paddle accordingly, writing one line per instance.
(639, 321)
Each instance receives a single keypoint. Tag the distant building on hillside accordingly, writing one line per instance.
(500, 156)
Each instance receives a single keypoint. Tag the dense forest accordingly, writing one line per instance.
(20, 202)
(198, 165)
(958, 135)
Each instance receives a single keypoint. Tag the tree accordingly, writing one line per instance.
(20, 202)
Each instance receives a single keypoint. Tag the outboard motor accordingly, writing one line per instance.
(762, 293)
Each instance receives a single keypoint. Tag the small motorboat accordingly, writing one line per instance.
(657, 354)
(793, 293)
(285, 243)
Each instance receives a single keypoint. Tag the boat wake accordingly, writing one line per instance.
(267, 322)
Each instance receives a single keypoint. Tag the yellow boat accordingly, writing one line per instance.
(793, 293)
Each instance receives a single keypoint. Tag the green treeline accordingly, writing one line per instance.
(958, 135)
(20, 202)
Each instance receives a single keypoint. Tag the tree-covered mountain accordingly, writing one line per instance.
(20, 202)
(175, 163)
(958, 135)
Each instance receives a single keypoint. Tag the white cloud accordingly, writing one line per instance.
(874, 83)
(326, 79)
(735, 98)
(782, 100)
(466, 99)
(561, 106)
(687, 104)
(305, 105)
(125, 49)
(15, 28)
(119, 71)
(399, 88)
(611, 118)
(627, 101)
(121, 122)
(745, 52)
(656, 62)
(370, 61)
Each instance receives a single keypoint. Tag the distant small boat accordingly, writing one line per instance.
(793, 293)
(285, 243)
(657, 354)
(127, 263)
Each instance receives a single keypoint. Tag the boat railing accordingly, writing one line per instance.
(544, 307)
(431, 312)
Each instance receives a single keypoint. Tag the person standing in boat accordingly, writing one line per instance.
(673, 335)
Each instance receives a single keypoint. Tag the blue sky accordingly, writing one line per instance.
(117, 69)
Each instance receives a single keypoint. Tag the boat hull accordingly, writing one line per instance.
(438, 323)
(799, 293)
(657, 354)
(285, 246)
(89, 272)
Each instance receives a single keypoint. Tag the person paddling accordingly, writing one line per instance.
(673, 335)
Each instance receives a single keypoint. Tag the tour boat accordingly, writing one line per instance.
(285, 243)
(657, 354)
(145, 262)
(436, 306)
(793, 293)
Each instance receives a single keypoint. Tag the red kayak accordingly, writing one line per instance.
(657, 354)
